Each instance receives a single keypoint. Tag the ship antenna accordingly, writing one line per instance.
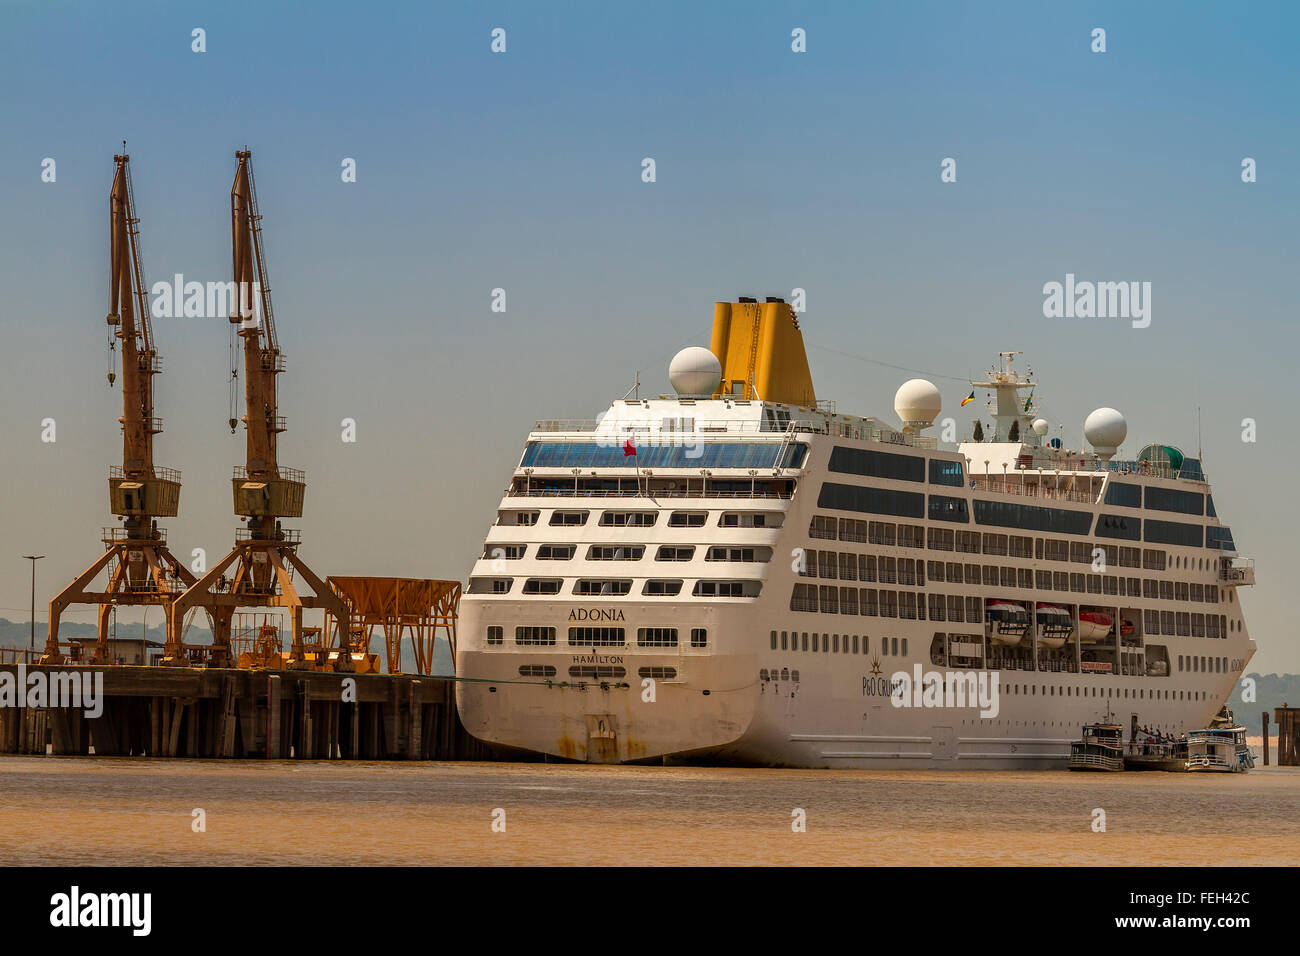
(636, 387)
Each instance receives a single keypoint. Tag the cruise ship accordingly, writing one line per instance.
(740, 573)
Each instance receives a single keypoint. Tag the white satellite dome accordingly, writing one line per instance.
(695, 372)
(1041, 427)
(1105, 430)
(917, 403)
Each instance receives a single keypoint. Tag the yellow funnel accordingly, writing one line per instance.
(761, 351)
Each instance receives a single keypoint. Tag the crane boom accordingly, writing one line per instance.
(129, 313)
(138, 491)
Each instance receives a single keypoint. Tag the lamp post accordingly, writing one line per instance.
(33, 558)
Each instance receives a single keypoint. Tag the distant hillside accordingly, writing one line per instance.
(1272, 691)
(18, 633)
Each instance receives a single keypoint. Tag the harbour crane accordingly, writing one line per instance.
(141, 570)
(265, 553)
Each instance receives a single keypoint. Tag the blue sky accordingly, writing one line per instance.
(522, 170)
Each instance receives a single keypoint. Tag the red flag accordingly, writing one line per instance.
(628, 448)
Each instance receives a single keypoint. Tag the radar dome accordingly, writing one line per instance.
(917, 403)
(695, 372)
(1105, 430)
(1041, 427)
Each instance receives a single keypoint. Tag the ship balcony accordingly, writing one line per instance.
(860, 429)
(273, 361)
(1022, 484)
(654, 486)
(1237, 571)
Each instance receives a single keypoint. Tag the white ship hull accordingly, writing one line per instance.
(839, 713)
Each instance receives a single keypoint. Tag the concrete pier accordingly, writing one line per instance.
(269, 714)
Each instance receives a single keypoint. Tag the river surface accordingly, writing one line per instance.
(107, 811)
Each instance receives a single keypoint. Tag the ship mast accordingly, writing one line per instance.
(1009, 408)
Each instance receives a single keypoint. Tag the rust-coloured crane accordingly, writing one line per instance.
(264, 491)
(141, 571)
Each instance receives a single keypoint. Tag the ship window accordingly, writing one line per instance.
(569, 518)
(687, 519)
(534, 635)
(602, 586)
(1174, 532)
(669, 552)
(596, 671)
(699, 637)
(822, 526)
(1170, 499)
(851, 529)
(656, 637)
(946, 473)
(616, 552)
(555, 552)
(490, 585)
(504, 552)
(804, 598)
(722, 553)
(783, 636)
(1126, 496)
(670, 673)
(816, 642)
(774, 639)
(749, 519)
(495, 634)
(940, 539)
(1004, 514)
(880, 501)
(536, 670)
(542, 586)
(596, 637)
(877, 464)
(627, 519)
(517, 518)
(719, 589)
(1220, 539)
(662, 588)
(1118, 526)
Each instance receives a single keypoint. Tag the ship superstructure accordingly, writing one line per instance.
(741, 573)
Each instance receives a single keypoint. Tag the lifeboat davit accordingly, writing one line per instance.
(1054, 625)
(1094, 626)
(1008, 622)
